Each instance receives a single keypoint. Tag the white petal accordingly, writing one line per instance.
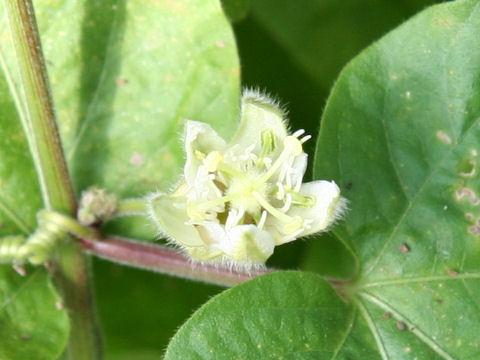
(328, 207)
(248, 245)
(259, 113)
(169, 212)
(204, 188)
(243, 244)
(201, 137)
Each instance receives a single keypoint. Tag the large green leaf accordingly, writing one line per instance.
(33, 324)
(401, 135)
(285, 315)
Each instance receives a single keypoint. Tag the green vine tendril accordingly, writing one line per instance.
(53, 227)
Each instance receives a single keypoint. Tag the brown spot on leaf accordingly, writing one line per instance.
(121, 81)
(401, 326)
(452, 272)
(474, 229)
(469, 194)
(25, 337)
(404, 248)
(387, 315)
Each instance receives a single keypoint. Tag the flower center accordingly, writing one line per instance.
(255, 192)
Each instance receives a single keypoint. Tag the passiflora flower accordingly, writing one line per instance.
(238, 200)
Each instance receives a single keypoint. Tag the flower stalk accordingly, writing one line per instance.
(165, 261)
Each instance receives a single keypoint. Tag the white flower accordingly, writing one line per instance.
(238, 200)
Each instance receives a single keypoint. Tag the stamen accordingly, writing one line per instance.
(273, 211)
(281, 191)
(298, 185)
(234, 217)
(292, 147)
(301, 200)
(268, 143)
(298, 133)
(263, 218)
(247, 154)
(213, 160)
(304, 139)
(288, 177)
(288, 203)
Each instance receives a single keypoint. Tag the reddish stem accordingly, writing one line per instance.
(166, 261)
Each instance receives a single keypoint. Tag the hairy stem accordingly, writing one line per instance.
(39, 121)
(71, 268)
(131, 207)
(166, 261)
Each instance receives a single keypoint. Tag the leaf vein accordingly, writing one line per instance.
(373, 329)
(413, 328)
(421, 279)
(14, 217)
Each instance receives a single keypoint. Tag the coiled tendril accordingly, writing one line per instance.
(53, 228)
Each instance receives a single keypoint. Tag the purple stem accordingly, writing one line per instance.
(166, 261)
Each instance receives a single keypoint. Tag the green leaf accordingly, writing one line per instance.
(285, 315)
(33, 324)
(400, 134)
(126, 76)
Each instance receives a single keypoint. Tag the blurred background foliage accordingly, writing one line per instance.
(293, 50)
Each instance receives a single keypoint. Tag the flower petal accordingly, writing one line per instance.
(170, 214)
(199, 137)
(259, 113)
(328, 207)
(249, 245)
